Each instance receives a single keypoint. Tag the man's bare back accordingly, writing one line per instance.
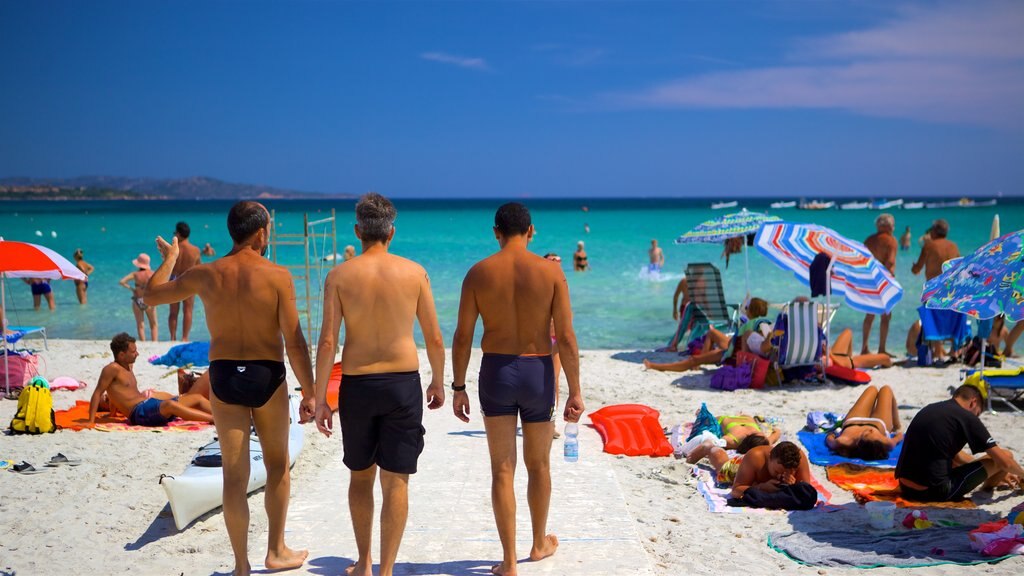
(188, 257)
(378, 294)
(883, 247)
(515, 295)
(933, 254)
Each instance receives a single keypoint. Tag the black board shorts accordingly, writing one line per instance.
(382, 421)
(517, 385)
(961, 480)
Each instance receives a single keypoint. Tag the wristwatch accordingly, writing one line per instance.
(458, 388)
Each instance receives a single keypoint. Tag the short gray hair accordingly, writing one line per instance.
(886, 219)
(375, 216)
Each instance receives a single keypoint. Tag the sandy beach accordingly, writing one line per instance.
(110, 515)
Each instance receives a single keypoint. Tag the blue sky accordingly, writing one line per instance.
(522, 99)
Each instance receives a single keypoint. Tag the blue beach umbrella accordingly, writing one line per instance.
(862, 280)
(732, 225)
(985, 284)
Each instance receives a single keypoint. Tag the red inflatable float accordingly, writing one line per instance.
(844, 375)
(333, 386)
(631, 429)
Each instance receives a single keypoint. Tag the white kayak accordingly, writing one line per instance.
(200, 488)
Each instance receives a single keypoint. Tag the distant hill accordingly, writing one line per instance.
(121, 188)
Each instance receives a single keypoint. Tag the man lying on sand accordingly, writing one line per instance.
(932, 466)
(118, 383)
(870, 429)
(766, 469)
(725, 467)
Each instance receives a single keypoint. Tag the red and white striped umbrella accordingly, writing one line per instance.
(24, 260)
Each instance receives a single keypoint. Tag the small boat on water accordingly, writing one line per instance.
(853, 206)
(913, 205)
(782, 204)
(886, 204)
(961, 203)
(817, 205)
(721, 205)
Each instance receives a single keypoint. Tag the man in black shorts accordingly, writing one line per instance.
(932, 467)
(518, 294)
(380, 404)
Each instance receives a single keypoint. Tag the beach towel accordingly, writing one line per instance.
(195, 353)
(717, 497)
(818, 453)
(944, 325)
(868, 483)
(77, 418)
(866, 549)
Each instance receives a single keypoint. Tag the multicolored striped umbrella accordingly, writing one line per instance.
(985, 284)
(729, 226)
(862, 280)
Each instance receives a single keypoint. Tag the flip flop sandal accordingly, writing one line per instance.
(62, 460)
(25, 468)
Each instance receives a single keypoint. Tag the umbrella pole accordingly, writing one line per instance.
(3, 329)
(984, 382)
(828, 316)
(746, 265)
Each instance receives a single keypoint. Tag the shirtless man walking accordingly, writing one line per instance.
(250, 310)
(656, 256)
(117, 380)
(518, 294)
(188, 256)
(377, 295)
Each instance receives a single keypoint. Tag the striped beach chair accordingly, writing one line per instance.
(693, 323)
(704, 286)
(798, 340)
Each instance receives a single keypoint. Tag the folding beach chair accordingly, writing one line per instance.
(693, 323)
(1003, 384)
(797, 339)
(704, 285)
(16, 333)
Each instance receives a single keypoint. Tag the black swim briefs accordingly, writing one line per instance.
(523, 385)
(246, 382)
(382, 420)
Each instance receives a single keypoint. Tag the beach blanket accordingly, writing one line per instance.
(868, 483)
(717, 498)
(818, 453)
(195, 353)
(865, 549)
(77, 418)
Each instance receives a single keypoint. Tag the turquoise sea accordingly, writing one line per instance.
(615, 306)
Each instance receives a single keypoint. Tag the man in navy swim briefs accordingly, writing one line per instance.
(518, 294)
(250, 312)
(378, 296)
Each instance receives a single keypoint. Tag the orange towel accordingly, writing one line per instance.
(868, 483)
(77, 418)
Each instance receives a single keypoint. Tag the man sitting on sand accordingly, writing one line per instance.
(870, 429)
(118, 381)
(766, 469)
(932, 466)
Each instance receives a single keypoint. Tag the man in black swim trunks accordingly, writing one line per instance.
(932, 467)
(378, 296)
(518, 294)
(250, 310)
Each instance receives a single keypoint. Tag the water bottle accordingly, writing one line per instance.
(571, 442)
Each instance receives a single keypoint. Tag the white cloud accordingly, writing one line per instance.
(460, 61)
(952, 64)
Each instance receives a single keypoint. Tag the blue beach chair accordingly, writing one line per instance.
(798, 341)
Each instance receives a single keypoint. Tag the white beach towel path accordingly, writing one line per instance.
(451, 527)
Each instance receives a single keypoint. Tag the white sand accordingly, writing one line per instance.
(110, 516)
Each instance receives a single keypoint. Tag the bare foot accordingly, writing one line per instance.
(286, 559)
(358, 569)
(647, 364)
(502, 570)
(547, 548)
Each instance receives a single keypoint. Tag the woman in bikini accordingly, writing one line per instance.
(871, 429)
(141, 277)
(842, 354)
(579, 258)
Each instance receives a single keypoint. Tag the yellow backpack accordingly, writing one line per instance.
(35, 409)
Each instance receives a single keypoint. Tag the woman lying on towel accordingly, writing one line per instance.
(870, 429)
(736, 429)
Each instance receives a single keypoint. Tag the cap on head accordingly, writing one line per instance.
(512, 219)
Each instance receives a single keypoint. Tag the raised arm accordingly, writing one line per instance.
(161, 291)
(561, 313)
(294, 341)
(426, 314)
(325, 351)
(462, 345)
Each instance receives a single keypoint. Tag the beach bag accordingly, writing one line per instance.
(20, 370)
(705, 421)
(972, 355)
(730, 378)
(758, 367)
(35, 409)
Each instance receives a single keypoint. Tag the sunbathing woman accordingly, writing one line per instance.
(725, 466)
(842, 354)
(715, 345)
(736, 429)
(870, 429)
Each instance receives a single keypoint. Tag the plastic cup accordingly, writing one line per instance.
(881, 515)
